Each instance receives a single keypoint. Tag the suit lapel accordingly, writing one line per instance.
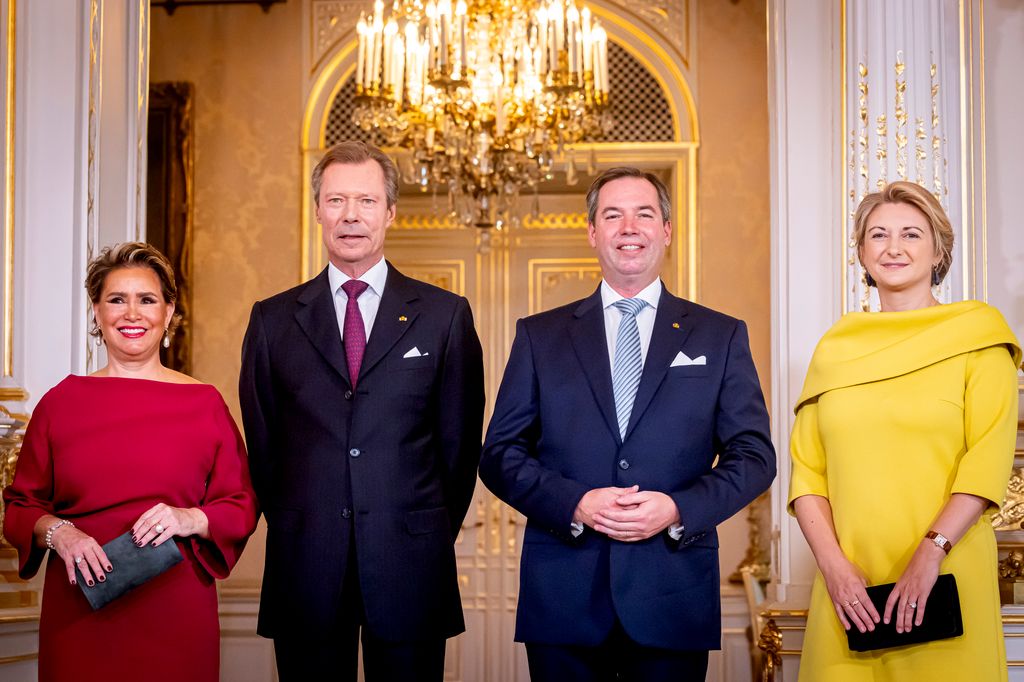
(666, 340)
(589, 341)
(319, 320)
(394, 317)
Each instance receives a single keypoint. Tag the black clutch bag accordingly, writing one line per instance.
(942, 619)
(133, 565)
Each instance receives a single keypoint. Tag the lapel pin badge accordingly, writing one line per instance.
(403, 318)
(675, 325)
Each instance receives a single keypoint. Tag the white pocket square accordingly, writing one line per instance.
(414, 352)
(683, 360)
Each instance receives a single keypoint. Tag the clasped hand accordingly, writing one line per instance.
(157, 525)
(626, 514)
(847, 587)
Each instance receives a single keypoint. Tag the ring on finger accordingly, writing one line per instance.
(78, 560)
(855, 602)
(846, 604)
(912, 604)
(158, 528)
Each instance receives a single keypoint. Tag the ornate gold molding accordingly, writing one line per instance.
(92, 131)
(770, 642)
(13, 394)
(10, 447)
(9, 140)
(331, 20)
(555, 221)
(1012, 511)
(758, 556)
(671, 18)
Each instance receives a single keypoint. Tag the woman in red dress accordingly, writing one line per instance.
(133, 447)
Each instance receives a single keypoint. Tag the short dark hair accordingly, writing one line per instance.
(130, 255)
(355, 152)
(664, 201)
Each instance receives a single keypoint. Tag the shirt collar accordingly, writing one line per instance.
(375, 277)
(651, 293)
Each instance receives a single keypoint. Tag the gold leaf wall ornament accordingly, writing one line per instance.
(1011, 513)
(900, 116)
(862, 136)
(11, 435)
(938, 162)
(882, 150)
(770, 642)
(920, 155)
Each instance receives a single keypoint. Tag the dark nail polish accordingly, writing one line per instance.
(102, 579)
(74, 582)
(139, 543)
(109, 569)
(135, 539)
(89, 583)
(154, 543)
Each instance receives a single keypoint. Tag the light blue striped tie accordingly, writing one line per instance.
(629, 363)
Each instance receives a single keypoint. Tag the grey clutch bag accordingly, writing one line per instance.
(133, 565)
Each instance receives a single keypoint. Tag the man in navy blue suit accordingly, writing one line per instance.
(605, 434)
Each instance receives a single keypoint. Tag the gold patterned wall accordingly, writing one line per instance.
(733, 210)
(246, 68)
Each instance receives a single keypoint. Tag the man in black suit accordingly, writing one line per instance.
(362, 399)
(605, 434)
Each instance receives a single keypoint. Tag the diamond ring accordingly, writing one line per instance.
(158, 528)
(78, 560)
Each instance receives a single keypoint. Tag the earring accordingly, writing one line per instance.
(167, 338)
(99, 340)
(869, 280)
(96, 334)
(936, 280)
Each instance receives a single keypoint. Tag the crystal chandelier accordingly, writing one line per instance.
(485, 94)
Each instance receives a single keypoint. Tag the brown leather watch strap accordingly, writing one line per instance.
(940, 540)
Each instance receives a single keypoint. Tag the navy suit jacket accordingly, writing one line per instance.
(387, 469)
(554, 436)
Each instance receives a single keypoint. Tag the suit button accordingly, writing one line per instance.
(348, 395)
(623, 464)
(355, 452)
(346, 513)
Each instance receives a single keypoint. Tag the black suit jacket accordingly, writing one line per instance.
(554, 435)
(388, 469)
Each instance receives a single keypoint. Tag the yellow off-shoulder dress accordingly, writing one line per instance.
(900, 410)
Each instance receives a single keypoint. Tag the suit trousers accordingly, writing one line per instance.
(334, 655)
(617, 659)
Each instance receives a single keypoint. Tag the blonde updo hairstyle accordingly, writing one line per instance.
(912, 194)
(130, 255)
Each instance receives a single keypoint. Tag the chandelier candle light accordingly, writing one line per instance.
(484, 94)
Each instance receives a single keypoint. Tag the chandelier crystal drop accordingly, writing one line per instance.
(485, 94)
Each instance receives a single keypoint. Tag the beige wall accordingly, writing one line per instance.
(733, 187)
(246, 67)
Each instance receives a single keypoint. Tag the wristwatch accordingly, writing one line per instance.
(940, 540)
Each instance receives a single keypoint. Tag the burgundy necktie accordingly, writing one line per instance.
(355, 332)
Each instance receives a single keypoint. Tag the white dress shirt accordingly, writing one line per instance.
(369, 300)
(645, 324)
(644, 319)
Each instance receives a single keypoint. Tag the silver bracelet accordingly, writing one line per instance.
(49, 532)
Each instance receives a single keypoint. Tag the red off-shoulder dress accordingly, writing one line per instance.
(100, 451)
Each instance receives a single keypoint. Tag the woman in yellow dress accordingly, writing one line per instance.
(902, 449)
